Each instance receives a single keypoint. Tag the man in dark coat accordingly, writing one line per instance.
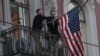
(37, 26)
(38, 19)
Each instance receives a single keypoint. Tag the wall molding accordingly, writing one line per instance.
(7, 12)
(91, 28)
(98, 2)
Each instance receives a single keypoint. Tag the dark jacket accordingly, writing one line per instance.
(37, 22)
(52, 25)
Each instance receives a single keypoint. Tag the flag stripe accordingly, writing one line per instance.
(78, 35)
(67, 41)
(72, 42)
(78, 41)
(77, 44)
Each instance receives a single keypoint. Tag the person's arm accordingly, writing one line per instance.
(50, 19)
(34, 22)
(44, 17)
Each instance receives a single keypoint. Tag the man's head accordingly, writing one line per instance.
(39, 11)
(52, 12)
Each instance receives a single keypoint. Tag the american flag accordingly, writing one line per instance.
(69, 26)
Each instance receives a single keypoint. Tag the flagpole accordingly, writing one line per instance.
(81, 8)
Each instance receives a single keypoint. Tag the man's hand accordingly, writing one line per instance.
(57, 17)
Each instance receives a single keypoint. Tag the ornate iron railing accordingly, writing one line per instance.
(20, 40)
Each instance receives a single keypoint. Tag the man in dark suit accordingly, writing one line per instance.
(52, 23)
(53, 29)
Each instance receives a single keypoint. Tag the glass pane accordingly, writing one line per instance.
(20, 12)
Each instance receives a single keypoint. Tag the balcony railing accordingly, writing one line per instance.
(20, 40)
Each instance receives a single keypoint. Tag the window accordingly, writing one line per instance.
(20, 12)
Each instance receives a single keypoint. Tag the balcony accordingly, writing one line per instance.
(20, 41)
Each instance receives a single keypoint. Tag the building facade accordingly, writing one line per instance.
(23, 11)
